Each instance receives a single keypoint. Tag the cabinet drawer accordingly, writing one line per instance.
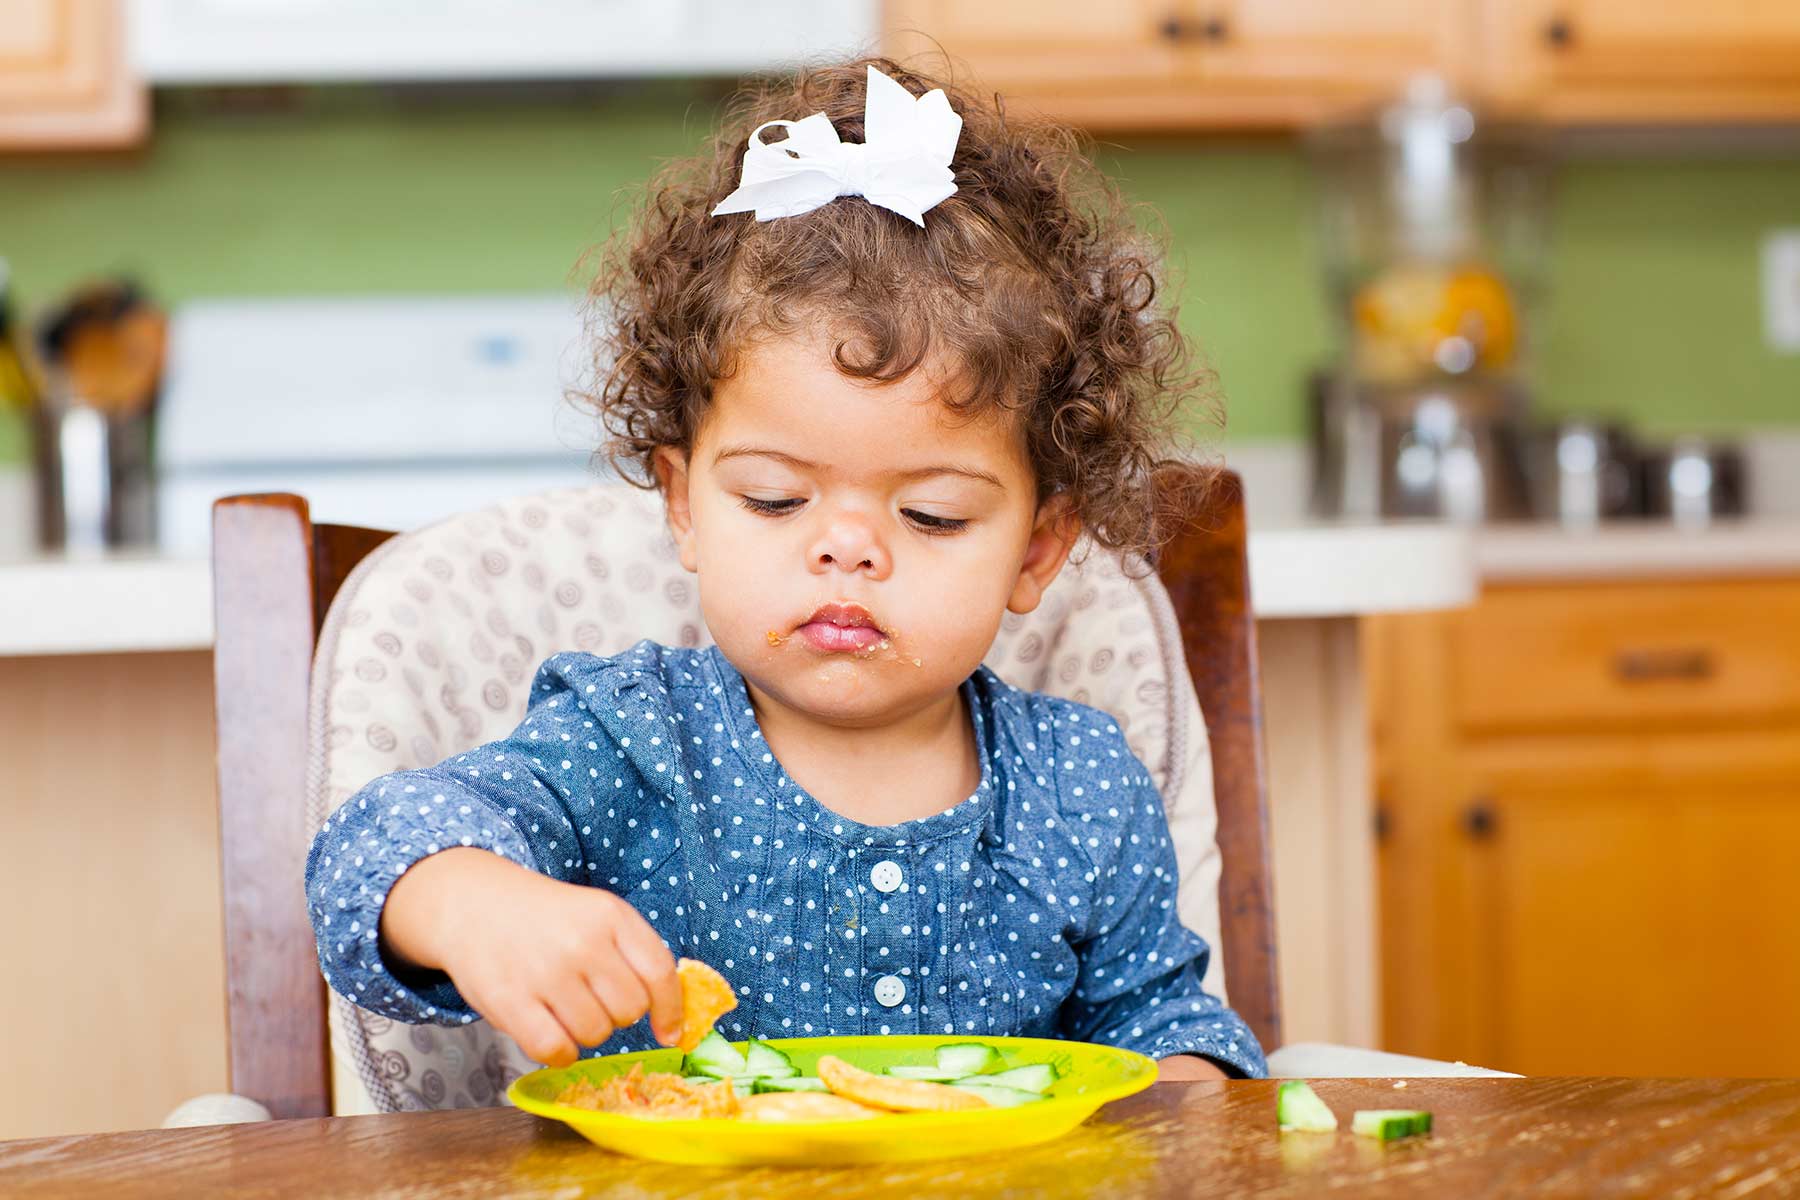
(1628, 655)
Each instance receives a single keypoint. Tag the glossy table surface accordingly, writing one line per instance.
(1498, 1137)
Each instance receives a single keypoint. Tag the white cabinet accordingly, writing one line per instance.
(249, 41)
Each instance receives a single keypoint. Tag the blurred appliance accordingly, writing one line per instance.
(1582, 472)
(1694, 481)
(302, 41)
(101, 353)
(391, 412)
(1433, 243)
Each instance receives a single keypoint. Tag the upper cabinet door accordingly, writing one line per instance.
(1329, 48)
(1097, 64)
(1180, 64)
(64, 83)
(1646, 61)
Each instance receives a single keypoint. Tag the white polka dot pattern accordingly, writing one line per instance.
(429, 652)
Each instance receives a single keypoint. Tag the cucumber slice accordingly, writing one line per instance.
(929, 1074)
(1298, 1107)
(763, 1061)
(999, 1097)
(1038, 1077)
(1387, 1124)
(716, 1057)
(791, 1083)
(744, 1087)
(968, 1058)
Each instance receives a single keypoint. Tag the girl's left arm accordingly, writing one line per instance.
(1140, 977)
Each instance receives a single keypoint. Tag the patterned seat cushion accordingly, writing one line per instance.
(432, 643)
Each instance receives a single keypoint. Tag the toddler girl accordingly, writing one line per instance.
(883, 377)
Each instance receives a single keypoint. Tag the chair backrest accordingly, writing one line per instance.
(275, 574)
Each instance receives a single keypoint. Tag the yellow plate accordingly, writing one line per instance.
(1088, 1076)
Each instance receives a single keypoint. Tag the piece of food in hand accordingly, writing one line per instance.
(659, 1095)
(1387, 1124)
(897, 1095)
(1299, 1109)
(705, 997)
(804, 1106)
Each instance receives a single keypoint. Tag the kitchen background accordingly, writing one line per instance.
(1535, 788)
(1654, 282)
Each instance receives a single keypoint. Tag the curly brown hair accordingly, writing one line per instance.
(1031, 283)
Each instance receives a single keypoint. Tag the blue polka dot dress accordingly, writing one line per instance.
(1043, 905)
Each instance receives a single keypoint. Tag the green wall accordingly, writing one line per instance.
(1654, 289)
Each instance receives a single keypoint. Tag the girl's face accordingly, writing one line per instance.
(856, 544)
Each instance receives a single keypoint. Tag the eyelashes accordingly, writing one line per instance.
(924, 522)
(770, 508)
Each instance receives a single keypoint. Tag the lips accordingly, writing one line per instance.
(840, 628)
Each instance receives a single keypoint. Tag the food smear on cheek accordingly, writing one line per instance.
(775, 639)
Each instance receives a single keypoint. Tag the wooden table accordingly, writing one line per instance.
(1500, 1137)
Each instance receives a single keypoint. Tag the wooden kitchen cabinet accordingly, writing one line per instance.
(64, 79)
(1197, 64)
(1178, 64)
(1633, 61)
(1589, 814)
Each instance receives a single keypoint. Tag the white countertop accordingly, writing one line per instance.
(1651, 549)
(126, 602)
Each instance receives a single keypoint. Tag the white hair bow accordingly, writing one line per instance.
(902, 163)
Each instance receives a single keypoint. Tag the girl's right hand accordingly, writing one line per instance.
(556, 966)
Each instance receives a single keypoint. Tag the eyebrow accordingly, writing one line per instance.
(974, 473)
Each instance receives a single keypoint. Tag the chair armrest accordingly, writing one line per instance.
(216, 1108)
(1318, 1060)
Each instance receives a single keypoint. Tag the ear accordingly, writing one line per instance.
(1053, 534)
(672, 474)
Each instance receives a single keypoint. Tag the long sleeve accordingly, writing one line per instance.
(1139, 983)
(516, 797)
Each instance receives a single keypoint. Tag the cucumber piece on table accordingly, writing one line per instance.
(716, 1057)
(999, 1097)
(968, 1058)
(1298, 1107)
(1038, 1077)
(763, 1061)
(929, 1074)
(790, 1083)
(1386, 1124)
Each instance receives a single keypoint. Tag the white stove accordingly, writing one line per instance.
(391, 411)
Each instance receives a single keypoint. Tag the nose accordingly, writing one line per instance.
(850, 542)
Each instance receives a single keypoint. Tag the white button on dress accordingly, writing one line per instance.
(886, 875)
(889, 990)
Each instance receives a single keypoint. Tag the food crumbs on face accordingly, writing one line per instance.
(661, 1096)
(775, 639)
(918, 662)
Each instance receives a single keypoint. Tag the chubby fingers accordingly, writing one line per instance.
(654, 968)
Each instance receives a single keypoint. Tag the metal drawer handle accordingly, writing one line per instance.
(1642, 666)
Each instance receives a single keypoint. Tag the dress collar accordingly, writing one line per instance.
(739, 718)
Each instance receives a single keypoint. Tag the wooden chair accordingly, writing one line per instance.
(274, 576)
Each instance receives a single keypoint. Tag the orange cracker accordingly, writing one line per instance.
(705, 997)
(897, 1095)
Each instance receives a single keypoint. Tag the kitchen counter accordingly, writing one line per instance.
(127, 602)
(1749, 546)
